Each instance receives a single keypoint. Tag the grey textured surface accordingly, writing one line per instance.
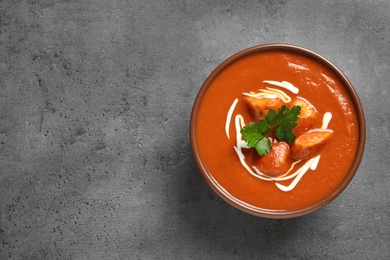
(95, 103)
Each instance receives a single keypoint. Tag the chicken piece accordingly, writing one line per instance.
(259, 107)
(306, 118)
(310, 143)
(275, 163)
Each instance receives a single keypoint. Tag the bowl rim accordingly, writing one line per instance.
(267, 213)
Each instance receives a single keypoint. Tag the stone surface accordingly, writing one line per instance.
(95, 102)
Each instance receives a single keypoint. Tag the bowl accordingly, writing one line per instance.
(236, 172)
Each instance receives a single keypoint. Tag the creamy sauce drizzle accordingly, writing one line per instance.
(283, 84)
(241, 144)
(270, 93)
(229, 117)
(326, 120)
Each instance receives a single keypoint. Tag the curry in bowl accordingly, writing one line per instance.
(277, 131)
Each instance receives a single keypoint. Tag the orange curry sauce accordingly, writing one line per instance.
(318, 85)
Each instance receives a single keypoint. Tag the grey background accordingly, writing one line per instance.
(95, 103)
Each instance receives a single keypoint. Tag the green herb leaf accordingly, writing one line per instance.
(272, 117)
(252, 134)
(283, 122)
(264, 127)
(263, 146)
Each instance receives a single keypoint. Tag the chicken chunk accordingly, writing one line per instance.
(306, 118)
(310, 143)
(275, 163)
(259, 107)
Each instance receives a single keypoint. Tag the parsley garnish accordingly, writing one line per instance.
(282, 122)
